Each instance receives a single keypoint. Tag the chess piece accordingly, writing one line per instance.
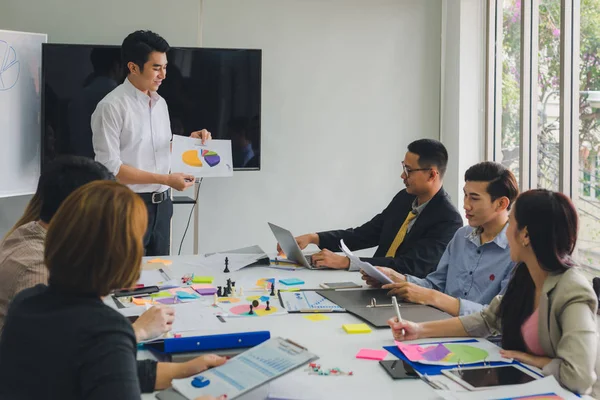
(273, 288)
(241, 291)
(268, 306)
(226, 265)
(219, 291)
(251, 311)
(233, 283)
(215, 300)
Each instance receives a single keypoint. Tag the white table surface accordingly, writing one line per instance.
(326, 339)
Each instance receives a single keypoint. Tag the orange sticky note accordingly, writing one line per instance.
(139, 301)
(159, 261)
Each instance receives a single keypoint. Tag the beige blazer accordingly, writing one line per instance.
(567, 330)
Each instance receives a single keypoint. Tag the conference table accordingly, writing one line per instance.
(326, 338)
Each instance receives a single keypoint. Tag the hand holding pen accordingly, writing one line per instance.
(403, 330)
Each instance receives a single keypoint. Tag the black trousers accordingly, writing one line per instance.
(157, 240)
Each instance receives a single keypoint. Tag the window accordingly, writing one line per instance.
(544, 95)
(548, 93)
(511, 83)
(588, 187)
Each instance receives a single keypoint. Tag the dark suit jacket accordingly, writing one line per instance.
(423, 246)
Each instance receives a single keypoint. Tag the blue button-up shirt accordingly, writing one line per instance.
(472, 272)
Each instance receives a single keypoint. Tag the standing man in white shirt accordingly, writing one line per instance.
(131, 134)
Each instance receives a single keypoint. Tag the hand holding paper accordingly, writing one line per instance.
(365, 266)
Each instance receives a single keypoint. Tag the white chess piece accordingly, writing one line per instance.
(216, 300)
(241, 291)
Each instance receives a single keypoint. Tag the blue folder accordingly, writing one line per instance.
(436, 369)
(208, 342)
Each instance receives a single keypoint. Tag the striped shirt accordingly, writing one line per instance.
(21, 263)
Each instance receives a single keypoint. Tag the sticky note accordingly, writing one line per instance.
(413, 352)
(204, 289)
(356, 328)
(139, 301)
(183, 295)
(163, 293)
(369, 354)
(292, 281)
(316, 317)
(159, 261)
(202, 279)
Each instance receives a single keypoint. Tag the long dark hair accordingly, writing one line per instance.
(551, 221)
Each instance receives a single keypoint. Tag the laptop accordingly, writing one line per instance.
(290, 247)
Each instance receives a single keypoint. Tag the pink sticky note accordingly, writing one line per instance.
(413, 352)
(369, 354)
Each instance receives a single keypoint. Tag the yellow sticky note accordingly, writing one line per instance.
(163, 293)
(356, 328)
(159, 261)
(316, 317)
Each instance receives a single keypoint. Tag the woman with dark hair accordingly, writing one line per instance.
(547, 316)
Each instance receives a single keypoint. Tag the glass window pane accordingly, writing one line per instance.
(548, 152)
(588, 197)
(511, 85)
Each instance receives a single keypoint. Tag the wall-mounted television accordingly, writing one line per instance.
(205, 88)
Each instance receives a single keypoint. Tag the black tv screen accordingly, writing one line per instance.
(214, 89)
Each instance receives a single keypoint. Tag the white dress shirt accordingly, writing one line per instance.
(129, 127)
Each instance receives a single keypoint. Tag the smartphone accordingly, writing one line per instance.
(339, 285)
(398, 369)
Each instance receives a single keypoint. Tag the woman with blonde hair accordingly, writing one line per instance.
(68, 341)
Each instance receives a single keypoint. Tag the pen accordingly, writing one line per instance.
(397, 308)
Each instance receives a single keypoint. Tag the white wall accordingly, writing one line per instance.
(463, 92)
(347, 84)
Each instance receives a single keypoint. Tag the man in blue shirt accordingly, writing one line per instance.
(476, 264)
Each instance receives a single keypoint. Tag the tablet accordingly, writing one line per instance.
(246, 371)
(477, 378)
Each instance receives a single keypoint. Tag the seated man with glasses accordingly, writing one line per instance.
(412, 233)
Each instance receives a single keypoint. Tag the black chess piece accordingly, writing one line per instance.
(226, 265)
(251, 311)
(233, 283)
(268, 306)
(219, 291)
(273, 288)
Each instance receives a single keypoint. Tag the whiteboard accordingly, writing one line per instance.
(20, 111)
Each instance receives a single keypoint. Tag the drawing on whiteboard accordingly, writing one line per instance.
(10, 67)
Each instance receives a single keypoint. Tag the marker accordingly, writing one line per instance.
(397, 308)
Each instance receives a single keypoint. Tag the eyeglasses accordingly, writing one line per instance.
(407, 171)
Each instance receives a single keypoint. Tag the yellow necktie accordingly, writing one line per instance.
(400, 235)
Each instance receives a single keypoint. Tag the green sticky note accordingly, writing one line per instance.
(202, 279)
(163, 293)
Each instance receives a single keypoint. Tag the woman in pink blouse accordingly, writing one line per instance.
(547, 316)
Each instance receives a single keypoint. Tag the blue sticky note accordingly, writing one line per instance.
(184, 295)
(291, 281)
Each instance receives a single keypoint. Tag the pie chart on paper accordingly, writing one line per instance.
(194, 158)
(9, 66)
